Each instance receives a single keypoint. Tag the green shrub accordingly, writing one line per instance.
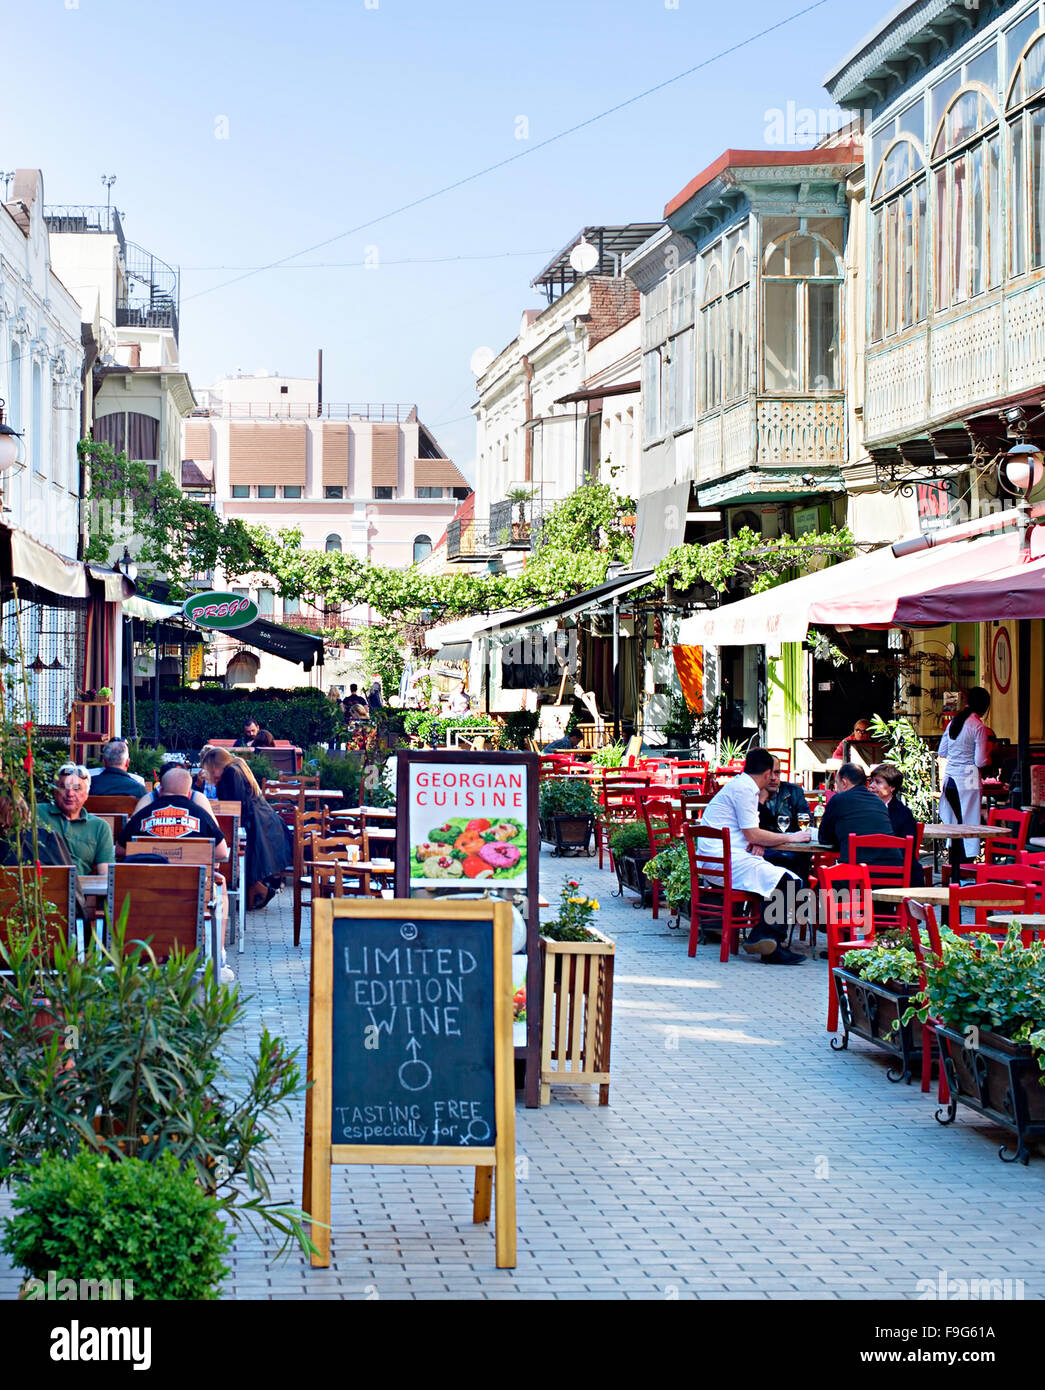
(671, 868)
(610, 756)
(337, 774)
(427, 728)
(630, 838)
(305, 718)
(566, 796)
(518, 727)
(128, 1061)
(148, 1225)
(146, 760)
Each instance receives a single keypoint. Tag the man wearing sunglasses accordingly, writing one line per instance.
(87, 838)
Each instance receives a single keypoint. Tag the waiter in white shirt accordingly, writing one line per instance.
(735, 808)
(965, 745)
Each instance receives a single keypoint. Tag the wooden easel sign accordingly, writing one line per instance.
(410, 1049)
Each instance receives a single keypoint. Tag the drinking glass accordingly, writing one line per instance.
(803, 820)
(783, 824)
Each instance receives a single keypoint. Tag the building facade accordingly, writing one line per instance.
(955, 299)
(361, 479)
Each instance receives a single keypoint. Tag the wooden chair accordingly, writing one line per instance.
(166, 904)
(848, 921)
(925, 938)
(333, 853)
(716, 905)
(315, 850)
(663, 823)
(617, 805)
(1023, 875)
(232, 870)
(885, 875)
(308, 825)
(186, 850)
(57, 887)
(784, 756)
(226, 808)
(114, 822)
(986, 900)
(692, 803)
(1006, 849)
(111, 805)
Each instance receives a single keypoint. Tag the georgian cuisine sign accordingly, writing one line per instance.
(222, 612)
(467, 821)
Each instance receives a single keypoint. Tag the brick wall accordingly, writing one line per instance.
(613, 304)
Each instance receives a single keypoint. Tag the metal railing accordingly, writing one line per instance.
(396, 413)
(466, 541)
(83, 217)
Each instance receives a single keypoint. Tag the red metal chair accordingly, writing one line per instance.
(663, 823)
(885, 875)
(986, 900)
(1006, 849)
(919, 918)
(848, 921)
(716, 905)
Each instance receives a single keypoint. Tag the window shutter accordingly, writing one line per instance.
(267, 453)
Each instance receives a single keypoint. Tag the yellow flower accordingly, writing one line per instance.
(577, 900)
(594, 902)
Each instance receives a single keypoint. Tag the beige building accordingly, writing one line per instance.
(364, 479)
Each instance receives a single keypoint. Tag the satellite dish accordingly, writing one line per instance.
(584, 257)
(481, 359)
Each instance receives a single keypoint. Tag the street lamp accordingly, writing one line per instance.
(9, 445)
(126, 565)
(1021, 469)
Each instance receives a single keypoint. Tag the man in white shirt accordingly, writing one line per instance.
(735, 808)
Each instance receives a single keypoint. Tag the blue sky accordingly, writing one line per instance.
(339, 111)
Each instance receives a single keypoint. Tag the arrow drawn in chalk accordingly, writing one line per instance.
(414, 1074)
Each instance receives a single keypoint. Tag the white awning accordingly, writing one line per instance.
(463, 629)
(40, 565)
(138, 607)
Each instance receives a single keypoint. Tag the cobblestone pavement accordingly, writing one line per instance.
(739, 1156)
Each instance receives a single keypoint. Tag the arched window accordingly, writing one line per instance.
(333, 543)
(899, 248)
(711, 383)
(422, 547)
(966, 176)
(802, 288)
(737, 308)
(1025, 114)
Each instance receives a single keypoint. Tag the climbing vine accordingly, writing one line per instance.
(752, 559)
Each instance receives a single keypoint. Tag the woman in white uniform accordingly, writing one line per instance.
(965, 746)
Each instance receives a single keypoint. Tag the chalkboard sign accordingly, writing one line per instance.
(413, 1010)
(410, 1049)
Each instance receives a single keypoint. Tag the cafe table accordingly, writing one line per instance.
(935, 834)
(1038, 843)
(311, 794)
(1034, 920)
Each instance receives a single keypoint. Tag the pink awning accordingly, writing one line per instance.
(967, 582)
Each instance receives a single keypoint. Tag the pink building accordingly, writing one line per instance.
(368, 480)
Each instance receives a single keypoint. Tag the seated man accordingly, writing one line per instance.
(114, 778)
(735, 808)
(256, 737)
(859, 735)
(355, 705)
(153, 795)
(855, 810)
(87, 838)
(784, 799)
(566, 744)
(176, 814)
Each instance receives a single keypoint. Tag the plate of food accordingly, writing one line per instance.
(472, 848)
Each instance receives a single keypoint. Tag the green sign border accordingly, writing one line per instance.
(215, 599)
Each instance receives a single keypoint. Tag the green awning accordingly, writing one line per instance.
(767, 483)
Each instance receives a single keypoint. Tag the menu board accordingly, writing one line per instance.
(467, 824)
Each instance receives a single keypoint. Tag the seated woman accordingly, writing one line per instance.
(886, 781)
(267, 857)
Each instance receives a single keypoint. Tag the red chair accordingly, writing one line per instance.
(885, 875)
(663, 827)
(921, 918)
(692, 803)
(1026, 875)
(1006, 849)
(1033, 858)
(986, 900)
(783, 756)
(617, 805)
(848, 921)
(716, 904)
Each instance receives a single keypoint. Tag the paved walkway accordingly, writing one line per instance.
(739, 1156)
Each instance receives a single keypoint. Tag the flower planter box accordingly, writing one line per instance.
(578, 1014)
(571, 834)
(999, 1079)
(628, 868)
(873, 1012)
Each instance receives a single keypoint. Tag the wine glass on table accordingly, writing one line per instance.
(783, 824)
(803, 820)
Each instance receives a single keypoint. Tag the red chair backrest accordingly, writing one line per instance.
(663, 822)
(987, 900)
(848, 909)
(1002, 848)
(919, 918)
(707, 863)
(1027, 875)
(1032, 858)
(884, 875)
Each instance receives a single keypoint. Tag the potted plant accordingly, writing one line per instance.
(875, 986)
(520, 497)
(567, 814)
(678, 727)
(577, 966)
(89, 1226)
(988, 998)
(629, 847)
(670, 868)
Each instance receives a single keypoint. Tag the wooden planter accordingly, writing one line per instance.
(873, 1012)
(997, 1078)
(578, 1013)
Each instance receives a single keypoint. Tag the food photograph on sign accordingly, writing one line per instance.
(467, 825)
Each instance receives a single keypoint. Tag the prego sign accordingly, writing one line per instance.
(221, 611)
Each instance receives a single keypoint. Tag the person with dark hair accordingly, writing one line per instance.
(254, 736)
(566, 744)
(855, 810)
(966, 747)
(355, 705)
(778, 800)
(735, 808)
(859, 735)
(886, 782)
